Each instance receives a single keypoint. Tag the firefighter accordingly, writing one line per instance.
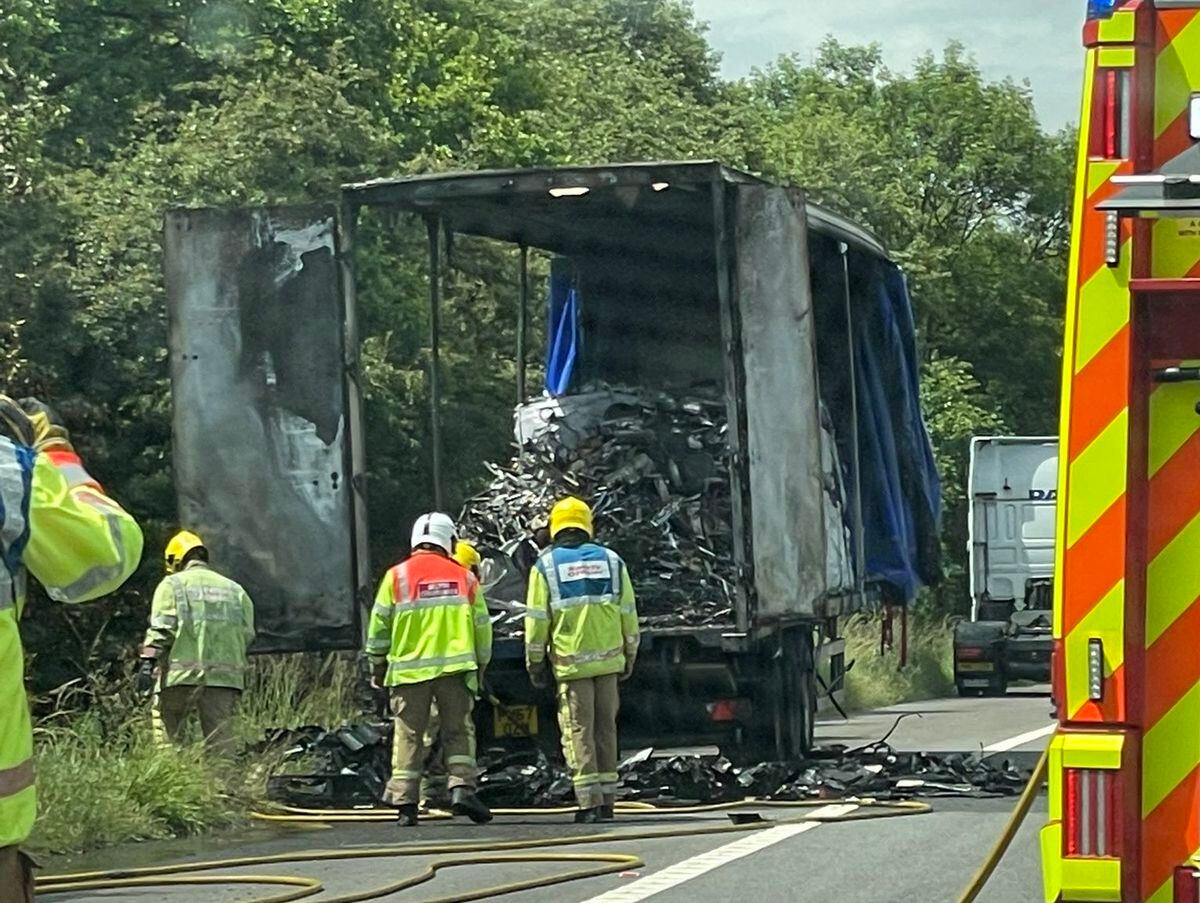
(581, 613)
(58, 524)
(428, 639)
(194, 653)
(434, 791)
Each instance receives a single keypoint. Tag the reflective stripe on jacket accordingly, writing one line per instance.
(206, 621)
(581, 612)
(56, 522)
(429, 619)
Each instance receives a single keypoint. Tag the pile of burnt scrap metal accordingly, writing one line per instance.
(349, 766)
(878, 772)
(325, 769)
(655, 468)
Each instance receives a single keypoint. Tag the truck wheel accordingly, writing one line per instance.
(798, 696)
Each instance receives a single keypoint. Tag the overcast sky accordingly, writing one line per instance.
(1028, 40)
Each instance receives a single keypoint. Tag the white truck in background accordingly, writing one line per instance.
(1012, 488)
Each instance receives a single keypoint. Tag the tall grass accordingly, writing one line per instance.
(102, 779)
(878, 680)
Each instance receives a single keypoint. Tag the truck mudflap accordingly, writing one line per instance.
(1083, 842)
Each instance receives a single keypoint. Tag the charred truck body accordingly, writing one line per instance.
(785, 329)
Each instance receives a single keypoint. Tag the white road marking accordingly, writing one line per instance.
(1021, 739)
(684, 871)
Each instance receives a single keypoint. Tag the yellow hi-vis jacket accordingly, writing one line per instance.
(206, 621)
(581, 611)
(57, 523)
(429, 619)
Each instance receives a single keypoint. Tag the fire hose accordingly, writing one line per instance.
(1020, 811)
(455, 854)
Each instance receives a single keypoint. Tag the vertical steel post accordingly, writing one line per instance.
(433, 225)
(523, 327)
(855, 449)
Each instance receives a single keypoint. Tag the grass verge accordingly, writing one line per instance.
(878, 680)
(102, 779)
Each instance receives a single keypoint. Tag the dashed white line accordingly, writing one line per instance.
(1020, 739)
(684, 871)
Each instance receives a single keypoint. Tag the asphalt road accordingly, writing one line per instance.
(926, 857)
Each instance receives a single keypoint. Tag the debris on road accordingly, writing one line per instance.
(656, 472)
(349, 766)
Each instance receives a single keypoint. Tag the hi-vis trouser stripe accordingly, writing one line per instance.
(1170, 764)
(1090, 557)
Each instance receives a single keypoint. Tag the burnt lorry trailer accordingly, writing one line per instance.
(784, 327)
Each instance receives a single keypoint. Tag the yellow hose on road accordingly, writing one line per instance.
(456, 854)
(1019, 813)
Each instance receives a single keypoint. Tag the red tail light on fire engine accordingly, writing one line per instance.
(1092, 804)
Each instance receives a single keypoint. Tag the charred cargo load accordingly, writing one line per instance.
(730, 378)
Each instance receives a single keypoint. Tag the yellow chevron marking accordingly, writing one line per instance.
(1173, 421)
(1164, 894)
(1176, 247)
(1177, 76)
(1099, 471)
(1103, 307)
(1172, 583)
(1106, 622)
(1099, 172)
(1118, 57)
(1172, 749)
(1082, 172)
(1120, 29)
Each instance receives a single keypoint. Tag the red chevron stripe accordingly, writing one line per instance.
(1171, 833)
(1096, 401)
(1170, 23)
(1175, 139)
(1091, 242)
(1174, 496)
(1094, 565)
(1110, 709)
(1194, 272)
(1174, 665)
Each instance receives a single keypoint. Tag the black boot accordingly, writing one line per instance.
(406, 815)
(465, 802)
(608, 808)
(590, 816)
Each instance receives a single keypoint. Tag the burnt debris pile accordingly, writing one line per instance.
(655, 469)
(349, 766)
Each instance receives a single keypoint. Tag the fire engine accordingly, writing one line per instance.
(1124, 766)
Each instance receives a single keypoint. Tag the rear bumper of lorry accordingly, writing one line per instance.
(1028, 657)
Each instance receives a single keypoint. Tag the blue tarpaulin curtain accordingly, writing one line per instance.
(562, 321)
(902, 501)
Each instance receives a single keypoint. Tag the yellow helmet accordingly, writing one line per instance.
(468, 556)
(571, 513)
(178, 548)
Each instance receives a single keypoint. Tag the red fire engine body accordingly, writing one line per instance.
(1125, 763)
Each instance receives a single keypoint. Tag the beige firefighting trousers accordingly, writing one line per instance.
(434, 775)
(16, 876)
(587, 719)
(215, 706)
(410, 705)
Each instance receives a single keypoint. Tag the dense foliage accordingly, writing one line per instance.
(114, 110)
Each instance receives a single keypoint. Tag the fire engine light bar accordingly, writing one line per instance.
(1112, 238)
(1095, 669)
(1102, 9)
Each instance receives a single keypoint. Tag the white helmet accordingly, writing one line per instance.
(434, 529)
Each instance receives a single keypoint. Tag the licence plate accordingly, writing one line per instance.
(515, 720)
(976, 666)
